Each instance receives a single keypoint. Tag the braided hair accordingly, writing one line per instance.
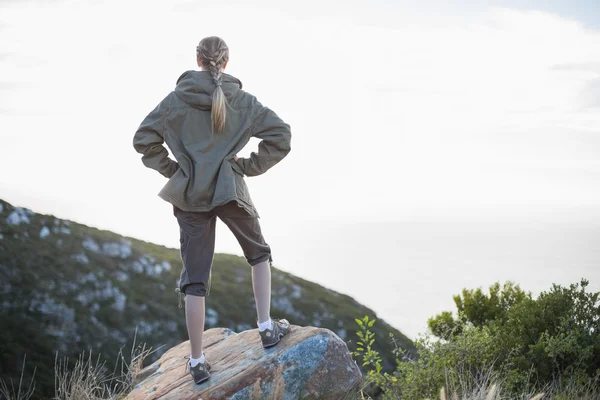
(213, 53)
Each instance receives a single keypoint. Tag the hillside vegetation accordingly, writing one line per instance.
(68, 288)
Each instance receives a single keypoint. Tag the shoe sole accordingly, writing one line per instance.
(202, 380)
(278, 340)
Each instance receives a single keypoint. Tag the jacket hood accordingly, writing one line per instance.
(196, 88)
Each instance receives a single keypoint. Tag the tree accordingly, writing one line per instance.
(478, 309)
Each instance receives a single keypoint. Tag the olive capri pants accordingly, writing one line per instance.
(197, 239)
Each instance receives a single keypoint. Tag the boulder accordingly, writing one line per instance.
(308, 363)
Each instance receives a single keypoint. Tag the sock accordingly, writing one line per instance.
(196, 361)
(194, 318)
(265, 325)
(261, 285)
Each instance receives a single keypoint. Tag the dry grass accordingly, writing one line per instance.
(85, 381)
(491, 394)
(91, 380)
(493, 391)
(88, 379)
(20, 393)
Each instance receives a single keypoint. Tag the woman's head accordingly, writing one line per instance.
(212, 55)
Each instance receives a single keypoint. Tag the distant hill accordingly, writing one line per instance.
(68, 287)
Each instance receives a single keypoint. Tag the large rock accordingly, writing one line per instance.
(309, 362)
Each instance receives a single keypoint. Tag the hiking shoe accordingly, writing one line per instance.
(270, 337)
(199, 372)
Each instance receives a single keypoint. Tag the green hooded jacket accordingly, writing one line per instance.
(204, 174)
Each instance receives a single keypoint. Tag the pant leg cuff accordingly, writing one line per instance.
(266, 257)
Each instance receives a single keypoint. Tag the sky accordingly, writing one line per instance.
(399, 110)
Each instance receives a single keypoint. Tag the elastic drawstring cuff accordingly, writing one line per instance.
(180, 295)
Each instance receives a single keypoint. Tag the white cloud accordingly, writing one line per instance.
(415, 113)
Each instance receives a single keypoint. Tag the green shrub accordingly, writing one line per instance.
(524, 345)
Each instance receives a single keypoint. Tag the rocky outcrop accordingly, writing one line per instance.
(308, 363)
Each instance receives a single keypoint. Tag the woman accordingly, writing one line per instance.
(205, 122)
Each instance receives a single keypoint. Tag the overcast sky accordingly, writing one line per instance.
(440, 109)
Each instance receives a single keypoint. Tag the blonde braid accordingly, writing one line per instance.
(214, 53)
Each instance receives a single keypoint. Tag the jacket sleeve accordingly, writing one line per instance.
(275, 144)
(148, 141)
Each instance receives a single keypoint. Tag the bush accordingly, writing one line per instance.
(524, 345)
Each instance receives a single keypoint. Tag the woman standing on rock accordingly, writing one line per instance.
(205, 122)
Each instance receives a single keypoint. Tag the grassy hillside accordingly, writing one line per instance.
(66, 287)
